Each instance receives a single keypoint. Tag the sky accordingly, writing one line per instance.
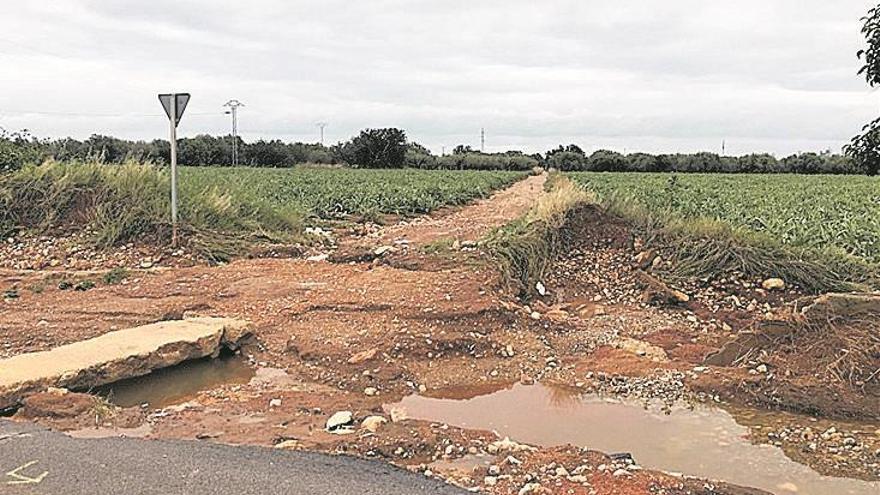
(777, 76)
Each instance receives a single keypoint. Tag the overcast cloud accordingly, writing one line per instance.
(678, 75)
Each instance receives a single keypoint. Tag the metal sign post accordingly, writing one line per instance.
(174, 105)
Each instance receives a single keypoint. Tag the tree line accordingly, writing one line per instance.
(371, 148)
(390, 148)
(19, 148)
(572, 158)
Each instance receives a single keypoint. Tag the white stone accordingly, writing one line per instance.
(773, 284)
(373, 423)
(339, 420)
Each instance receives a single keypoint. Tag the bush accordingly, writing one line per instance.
(16, 150)
(484, 161)
(571, 159)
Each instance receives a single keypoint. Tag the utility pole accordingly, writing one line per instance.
(322, 125)
(482, 140)
(233, 109)
(723, 147)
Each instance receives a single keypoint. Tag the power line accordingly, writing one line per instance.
(233, 109)
(322, 125)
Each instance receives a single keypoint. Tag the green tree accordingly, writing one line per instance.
(864, 149)
(606, 161)
(375, 148)
(17, 149)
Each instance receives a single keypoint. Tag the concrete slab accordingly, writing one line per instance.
(116, 355)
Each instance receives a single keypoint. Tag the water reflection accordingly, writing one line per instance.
(701, 441)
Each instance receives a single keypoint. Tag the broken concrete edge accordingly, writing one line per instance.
(231, 335)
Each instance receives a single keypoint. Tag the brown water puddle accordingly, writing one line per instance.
(177, 384)
(701, 441)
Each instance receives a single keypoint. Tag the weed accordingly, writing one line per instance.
(119, 203)
(84, 285)
(809, 231)
(700, 247)
(115, 276)
(103, 410)
(439, 246)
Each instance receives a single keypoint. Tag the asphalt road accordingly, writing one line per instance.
(133, 466)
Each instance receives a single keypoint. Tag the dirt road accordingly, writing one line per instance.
(357, 336)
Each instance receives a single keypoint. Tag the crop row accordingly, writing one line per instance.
(806, 211)
(329, 192)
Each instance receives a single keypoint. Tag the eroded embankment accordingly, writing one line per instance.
(814, 355)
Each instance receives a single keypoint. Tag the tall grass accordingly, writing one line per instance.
(121, 203)
(526, 247)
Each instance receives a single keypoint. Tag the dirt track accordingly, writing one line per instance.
(356, 336)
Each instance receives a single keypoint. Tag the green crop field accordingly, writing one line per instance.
(328, 192)
(813, 211)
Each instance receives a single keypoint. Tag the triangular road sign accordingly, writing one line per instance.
(182, 100)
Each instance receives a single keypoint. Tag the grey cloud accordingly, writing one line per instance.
(656, 76)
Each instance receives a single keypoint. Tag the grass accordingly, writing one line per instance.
(119, 203)
(821, 233)
(115, 276)
(526, 247)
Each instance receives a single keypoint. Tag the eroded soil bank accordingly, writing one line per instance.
(425, 312)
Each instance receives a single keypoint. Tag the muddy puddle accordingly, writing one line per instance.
(702, 441)
(177, 384)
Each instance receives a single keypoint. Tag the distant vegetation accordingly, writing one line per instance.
(389, 148)
(571, 158)
(372, 148)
